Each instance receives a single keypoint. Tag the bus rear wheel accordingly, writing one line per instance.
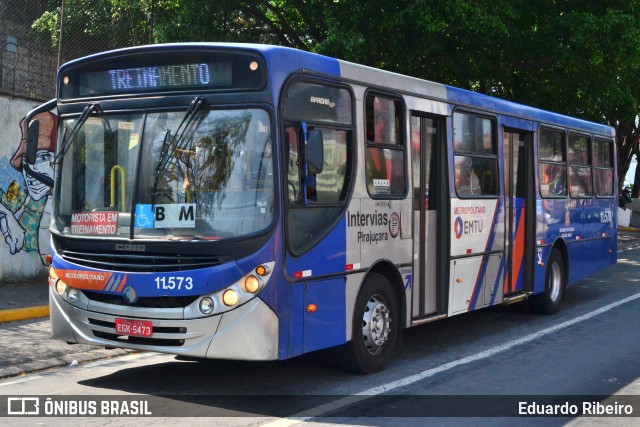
(548, 302)
(375, 327)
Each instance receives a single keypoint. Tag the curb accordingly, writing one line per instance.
(15, 314)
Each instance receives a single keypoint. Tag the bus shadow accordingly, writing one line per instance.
(304, 386)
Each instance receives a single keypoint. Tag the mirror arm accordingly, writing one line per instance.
(47, 106)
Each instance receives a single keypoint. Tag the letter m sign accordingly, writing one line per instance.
(176, 215)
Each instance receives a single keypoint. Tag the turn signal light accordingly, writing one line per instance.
(261, 270)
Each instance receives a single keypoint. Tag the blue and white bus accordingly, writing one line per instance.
(251, 202)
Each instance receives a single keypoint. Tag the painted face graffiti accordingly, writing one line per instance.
(24, 213)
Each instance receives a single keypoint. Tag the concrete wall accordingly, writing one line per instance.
(25, 204)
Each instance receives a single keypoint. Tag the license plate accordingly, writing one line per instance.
(137, 328)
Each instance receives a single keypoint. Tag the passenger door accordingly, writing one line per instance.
(519, 225)
(428, 157)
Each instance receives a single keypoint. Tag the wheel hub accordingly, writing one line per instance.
(376, 324)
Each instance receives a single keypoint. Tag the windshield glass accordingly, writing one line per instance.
(215, 180)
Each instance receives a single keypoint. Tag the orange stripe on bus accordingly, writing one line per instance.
(518, 252)
(124, 280)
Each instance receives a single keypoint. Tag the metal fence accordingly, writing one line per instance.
(27, 65)
(29, 59)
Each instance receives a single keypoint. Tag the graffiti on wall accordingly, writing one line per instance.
(25, 208)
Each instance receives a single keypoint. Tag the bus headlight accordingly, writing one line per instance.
(251, 284)
(207, 305)
(72, 295)
(230, 297)
(235, 295)
(60, 287)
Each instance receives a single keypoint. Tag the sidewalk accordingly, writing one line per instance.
(25, 333)
(629, 237)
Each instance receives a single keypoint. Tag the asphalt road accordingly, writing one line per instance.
(482, 363)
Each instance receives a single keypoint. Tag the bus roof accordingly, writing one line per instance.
(284, 60)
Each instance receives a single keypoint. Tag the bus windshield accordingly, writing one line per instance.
(140, 176)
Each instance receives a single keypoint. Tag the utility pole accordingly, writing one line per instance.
(61, 31)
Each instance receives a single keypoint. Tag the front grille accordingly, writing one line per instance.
(142, 302)
(141, 262)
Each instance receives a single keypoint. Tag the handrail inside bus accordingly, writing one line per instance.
(122, 185)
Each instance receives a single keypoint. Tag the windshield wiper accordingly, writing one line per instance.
(67, 140)
(169, 145)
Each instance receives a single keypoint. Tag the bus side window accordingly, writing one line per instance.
(476, 159)
(385, 157)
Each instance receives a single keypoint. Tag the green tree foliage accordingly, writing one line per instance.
(579, 58)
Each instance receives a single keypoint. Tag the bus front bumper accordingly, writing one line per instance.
(249, 332)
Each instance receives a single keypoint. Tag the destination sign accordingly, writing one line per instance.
(165, 71)
(160, 77)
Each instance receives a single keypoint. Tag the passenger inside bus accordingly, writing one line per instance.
(554, 180)
(467, 182)
(292, 150)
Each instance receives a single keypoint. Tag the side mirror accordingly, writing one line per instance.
(315, 152)
(32, 141)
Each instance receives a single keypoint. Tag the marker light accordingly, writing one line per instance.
(230, 298)
(206, 305)
(261, 270)
(251, 284)
(253, 66)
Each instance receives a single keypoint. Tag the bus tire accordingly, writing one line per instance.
(375, 328)
(548, 302)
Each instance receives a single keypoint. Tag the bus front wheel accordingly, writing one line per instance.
(548, 302)
(375, 327)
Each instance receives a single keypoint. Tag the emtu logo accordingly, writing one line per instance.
(458, 227)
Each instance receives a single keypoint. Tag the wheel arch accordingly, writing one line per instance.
(392, 274)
